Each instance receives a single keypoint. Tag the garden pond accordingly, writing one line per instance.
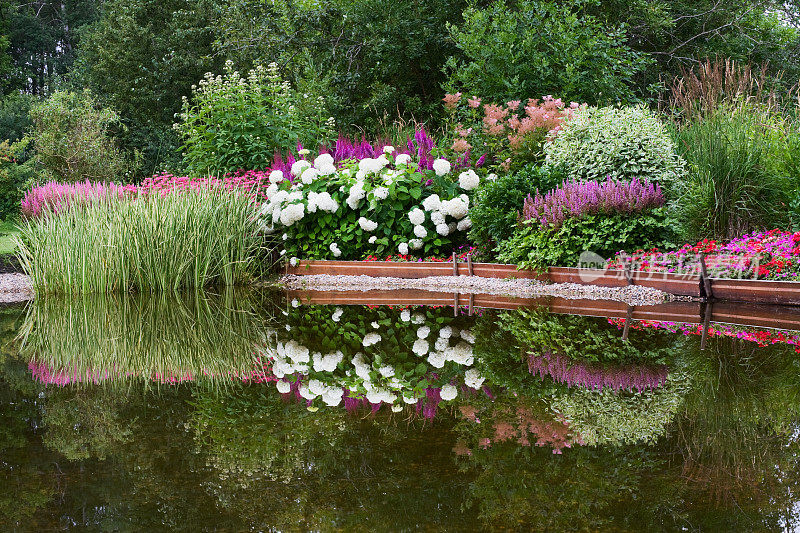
(262, 410)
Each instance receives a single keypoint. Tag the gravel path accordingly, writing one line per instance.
(15, 288)
(523, 288)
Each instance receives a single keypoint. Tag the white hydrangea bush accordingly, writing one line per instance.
(380, 207)
(330, 353)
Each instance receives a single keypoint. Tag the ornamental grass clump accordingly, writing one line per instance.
(57, 197)
(575, 199)
(181, 240)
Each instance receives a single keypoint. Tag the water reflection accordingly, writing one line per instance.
(184, 412)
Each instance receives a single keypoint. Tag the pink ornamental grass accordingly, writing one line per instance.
(58, 197)
(575, 199)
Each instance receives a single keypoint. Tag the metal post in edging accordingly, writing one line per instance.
(471, 303)
(469, 264)
(628, 274)
(455, 264)
(704, 276)
(628, 318)
(455, 304)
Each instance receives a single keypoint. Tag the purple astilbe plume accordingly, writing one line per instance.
(574, 199)
(574, 374)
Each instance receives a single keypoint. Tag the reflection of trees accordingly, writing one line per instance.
(326, 469)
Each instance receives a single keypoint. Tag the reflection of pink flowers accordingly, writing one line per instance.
(576, 374)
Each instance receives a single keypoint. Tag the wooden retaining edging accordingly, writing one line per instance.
(741, 290)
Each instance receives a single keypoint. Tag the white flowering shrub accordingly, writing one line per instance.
(376, 206)
(383, 356)
(621, 142)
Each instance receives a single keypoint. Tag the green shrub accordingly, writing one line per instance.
(378, 207)
(73, 142)
(17, 173)
(498, 202)
(515, 49)
(624, 143)
(534, 247)
(237, 123)
(736, 181)
(14, 116)
(151, 243)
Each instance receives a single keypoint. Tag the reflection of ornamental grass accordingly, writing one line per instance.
(168, 242)
(578, 374)
(159, 337)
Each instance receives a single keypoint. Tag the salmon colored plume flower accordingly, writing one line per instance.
(451, 100)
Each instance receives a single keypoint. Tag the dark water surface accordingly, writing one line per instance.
(257, 411)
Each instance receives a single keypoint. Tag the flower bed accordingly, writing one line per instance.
(770, 255)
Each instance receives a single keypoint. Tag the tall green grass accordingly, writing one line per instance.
(736, 181)
(181, 240)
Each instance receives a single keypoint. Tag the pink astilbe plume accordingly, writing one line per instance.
(574, 199)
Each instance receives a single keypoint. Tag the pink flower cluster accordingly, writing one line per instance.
(773, 254)
(575, 199)
(576, 374)
(58, 197)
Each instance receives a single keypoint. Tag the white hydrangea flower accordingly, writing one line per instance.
(437, 217)
(420, 232)
(291, 214)
(295, 303)
(309, 175)
(415, 244)
(448, 392)
(380, 193)
(373, 239)
(356, 194)
(367, 224)
(323, 201)
(403, 248)
(335, 249)
(323, 160)
(293, 261)
(443, 230)
(437, 359)
(386, 371)
(441, 167)
(446, 332)
(327, 170)
(456, 208)
(441, 344)
(423, 332)
(420, 347)
(388, 149)
(432, 202)
(276, 176)
(337, 314)
(381, 161)
(468, 336)
(370, 339)
(416, 216)
(402, 160)
(468, 180)
(283, 386)
(272, 190)
(298, 167)
(405, 315)
(464, 224)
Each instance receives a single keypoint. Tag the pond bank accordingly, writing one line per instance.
(523, 288)
(15, 288)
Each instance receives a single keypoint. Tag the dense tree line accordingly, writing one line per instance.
(373, 60)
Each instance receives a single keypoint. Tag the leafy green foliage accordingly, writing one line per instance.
(497, 203)
(534, 247)
(237, 123)
(624, 143)
(736, 183)
(14, 116)
(530, 48)
(73, 142)
(17, 173)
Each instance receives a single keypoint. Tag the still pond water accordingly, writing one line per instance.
(271, 412)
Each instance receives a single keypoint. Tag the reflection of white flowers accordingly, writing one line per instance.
(293, 261)
(437, 359)
(423, 332)
(468, 336)
(375, 325)
(441, 344)
(370, 339)
(418, 318)
(420, 347)
(448, 392)
(386, 371)
(461, 354)
(283, 386)
(295, 303)
(441, 167)
(446, 332)
(473, 378)
(405, 315)
(337, 314)
(296, 352)
(397, 407)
